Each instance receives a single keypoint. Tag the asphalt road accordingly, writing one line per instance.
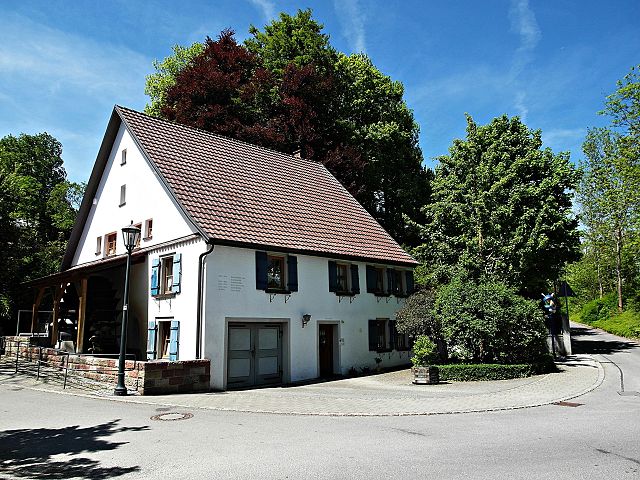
(54, 436)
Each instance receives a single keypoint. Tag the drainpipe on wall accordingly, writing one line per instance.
(199, 312)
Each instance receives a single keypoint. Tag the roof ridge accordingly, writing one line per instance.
(206, 132)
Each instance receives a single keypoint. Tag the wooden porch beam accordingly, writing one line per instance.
(82, 310)
(36, 307)
(57, 296)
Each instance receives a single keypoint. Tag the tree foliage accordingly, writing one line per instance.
(37, 211)
(486, 322)
(501, 209)
(609, 200)
(287, 88)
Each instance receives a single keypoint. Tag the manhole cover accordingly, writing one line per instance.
(568, 404)
(172, 416)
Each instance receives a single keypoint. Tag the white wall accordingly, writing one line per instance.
(146, 198)
(224, 304)
(181, 306)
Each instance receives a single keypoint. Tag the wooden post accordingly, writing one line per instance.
(82, 310)
(34, 311)
(57, 296)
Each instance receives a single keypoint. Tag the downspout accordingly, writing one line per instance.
(199, 312)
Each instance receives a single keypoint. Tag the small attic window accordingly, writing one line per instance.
(123, 158)
(123, 195)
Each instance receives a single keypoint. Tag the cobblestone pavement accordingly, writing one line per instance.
(385, 394)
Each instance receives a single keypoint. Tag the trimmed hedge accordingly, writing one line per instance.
(492, 371)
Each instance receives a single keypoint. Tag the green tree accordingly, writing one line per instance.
(158, 83)
(37, 211)
(609, 198)
(501, 209)
(302, 95)
(623, 105)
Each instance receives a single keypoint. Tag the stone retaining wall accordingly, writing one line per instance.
(147, 378)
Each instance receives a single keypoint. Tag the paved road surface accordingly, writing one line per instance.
(50, 436)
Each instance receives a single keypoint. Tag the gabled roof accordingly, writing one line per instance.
(240, 194)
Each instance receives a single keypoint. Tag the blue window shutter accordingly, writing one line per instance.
(177, 273)
(292, 273)
(174, 340)
(355, 279)
(151, 340)
(333, 276)
(372, 279)
(391, 280)
(410, 283)
(261, 270)
(155, 277)
(373, 335)
(393, 334)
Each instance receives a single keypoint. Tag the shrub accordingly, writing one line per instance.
(417, 317)
(483, 371)
(486, 322)
(599, 308)
(424, 352)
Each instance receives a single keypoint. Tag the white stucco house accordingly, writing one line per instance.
(259, 261)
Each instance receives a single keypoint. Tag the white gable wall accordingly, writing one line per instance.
(231, 296)
(146, 197)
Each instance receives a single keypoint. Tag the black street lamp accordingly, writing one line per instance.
(130, 233)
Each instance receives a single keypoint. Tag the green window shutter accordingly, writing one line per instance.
(333, 276)
(372, 279)
(292, 273)
(155, 277)
(410, 282)
(373, 335)
(177, 273)
(261, 270)
(174, 340)
(355, 279)
(393, 335)
(151, 340)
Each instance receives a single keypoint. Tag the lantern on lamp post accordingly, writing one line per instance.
(130, 235)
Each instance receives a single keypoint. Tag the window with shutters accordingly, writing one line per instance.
(380, 335)
(343, 278)
(166, 274)
(276, 272)
(383, 281)
(110, 242)
(163, 339)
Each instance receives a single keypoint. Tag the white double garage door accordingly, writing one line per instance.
(254, 354)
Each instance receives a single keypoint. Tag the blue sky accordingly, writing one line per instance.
(64, 64)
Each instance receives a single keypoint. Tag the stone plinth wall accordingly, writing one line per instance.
(147, 378)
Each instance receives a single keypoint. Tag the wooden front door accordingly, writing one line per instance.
(325, 339)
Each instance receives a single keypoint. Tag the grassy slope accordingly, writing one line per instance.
(625, 324)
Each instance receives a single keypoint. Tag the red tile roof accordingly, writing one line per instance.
(239, 193)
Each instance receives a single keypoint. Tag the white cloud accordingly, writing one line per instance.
(50, 61)
(268, 8)
(352, 19)
(524, 23)
(521, 106)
